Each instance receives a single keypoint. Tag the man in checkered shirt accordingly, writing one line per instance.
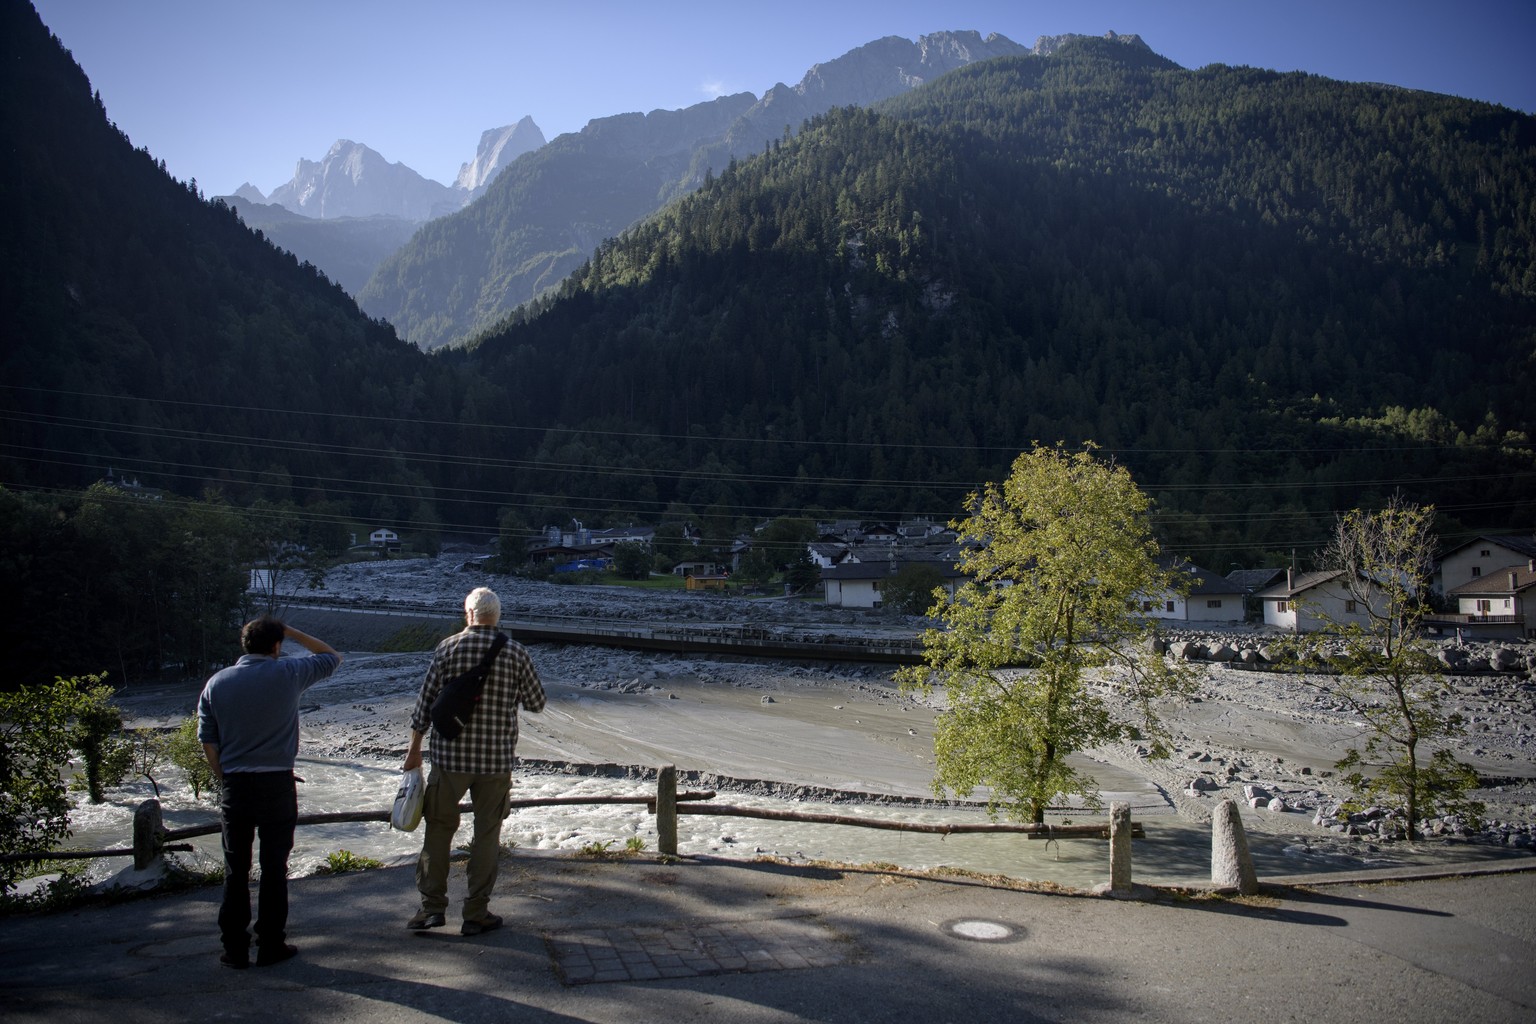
(478, 761)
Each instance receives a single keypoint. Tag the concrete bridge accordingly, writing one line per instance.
(369, 625)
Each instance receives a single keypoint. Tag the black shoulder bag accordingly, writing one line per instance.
(457, 699)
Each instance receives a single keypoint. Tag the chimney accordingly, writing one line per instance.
(1290, 579)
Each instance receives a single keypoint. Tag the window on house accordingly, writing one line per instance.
(1282, 606)
(1349, 607)
(1170, 606)
(1146, 606)
(877, 586)
(1213, 603)
(1484, 606)
(1484, 553)
(1477, 571)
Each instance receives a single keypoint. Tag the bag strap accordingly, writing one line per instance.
(489, 656)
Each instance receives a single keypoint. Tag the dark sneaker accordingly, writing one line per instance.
(477, 925)
(266, 956)
(425, 919)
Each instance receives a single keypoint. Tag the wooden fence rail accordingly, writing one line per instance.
(151, 837)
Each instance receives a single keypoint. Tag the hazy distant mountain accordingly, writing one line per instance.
(250, 193)
(355, 181)
(346, 249)
(498, 148)
(539, 221)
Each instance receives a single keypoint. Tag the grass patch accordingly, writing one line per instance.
(342, 861)
(663, 582)
(421, 636)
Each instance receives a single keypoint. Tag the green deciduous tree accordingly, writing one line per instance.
(35, 742)
(1389, 675)
(756, 568)
(106, 753)
(632, 560)
(911, 589)
(1053, 557)
(185, 752)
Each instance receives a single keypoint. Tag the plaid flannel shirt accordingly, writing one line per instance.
(489, 739)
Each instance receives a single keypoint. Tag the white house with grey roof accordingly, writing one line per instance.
(1210, 598)
(1308, 601)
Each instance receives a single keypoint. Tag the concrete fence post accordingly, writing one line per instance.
(148, 834)
(1120, 847)
(1231, 863)
(666, 810)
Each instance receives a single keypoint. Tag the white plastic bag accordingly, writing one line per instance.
(406, 814)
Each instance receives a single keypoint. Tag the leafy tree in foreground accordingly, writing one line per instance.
(34, 750)
(1055, 558)
(1388, 674)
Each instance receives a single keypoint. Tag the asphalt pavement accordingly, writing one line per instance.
(635, 940)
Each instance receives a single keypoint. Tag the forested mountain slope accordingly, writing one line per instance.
(547, 213)
(1273, 296)
(146, 330)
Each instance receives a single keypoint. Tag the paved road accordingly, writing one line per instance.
(710, 940)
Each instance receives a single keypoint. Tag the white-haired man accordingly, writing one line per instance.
(478, 761)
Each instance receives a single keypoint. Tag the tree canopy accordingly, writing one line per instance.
(1055, 558)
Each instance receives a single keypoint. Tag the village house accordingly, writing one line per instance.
(862, 584)
(1308, 601)
(1500, 603)
(1211, 598)
(1481, 556)
(576, 543)
(384, 539)
(1249, 582)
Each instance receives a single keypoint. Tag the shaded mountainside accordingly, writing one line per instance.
(146, 329)
(545, 215)
(1271, 295)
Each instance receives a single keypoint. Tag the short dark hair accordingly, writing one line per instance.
(259, 636)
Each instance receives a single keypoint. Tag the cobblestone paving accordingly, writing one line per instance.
(692, 950)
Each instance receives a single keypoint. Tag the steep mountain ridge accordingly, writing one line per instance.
(1206, 272)
(1270, 296)
(529, 231)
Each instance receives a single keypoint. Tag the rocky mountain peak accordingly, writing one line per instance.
(1047, 45)
(355, 181)
(498, 148)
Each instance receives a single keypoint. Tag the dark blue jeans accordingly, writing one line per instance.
(256, 805)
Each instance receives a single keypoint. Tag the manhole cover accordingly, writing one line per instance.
(979, 930)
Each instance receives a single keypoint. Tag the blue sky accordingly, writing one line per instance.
(228, 93)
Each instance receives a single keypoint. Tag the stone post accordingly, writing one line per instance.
(1231, 864)
(148, 834)
(1119, 847)
(666, 810)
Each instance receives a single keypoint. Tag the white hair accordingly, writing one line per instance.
(483, 606)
